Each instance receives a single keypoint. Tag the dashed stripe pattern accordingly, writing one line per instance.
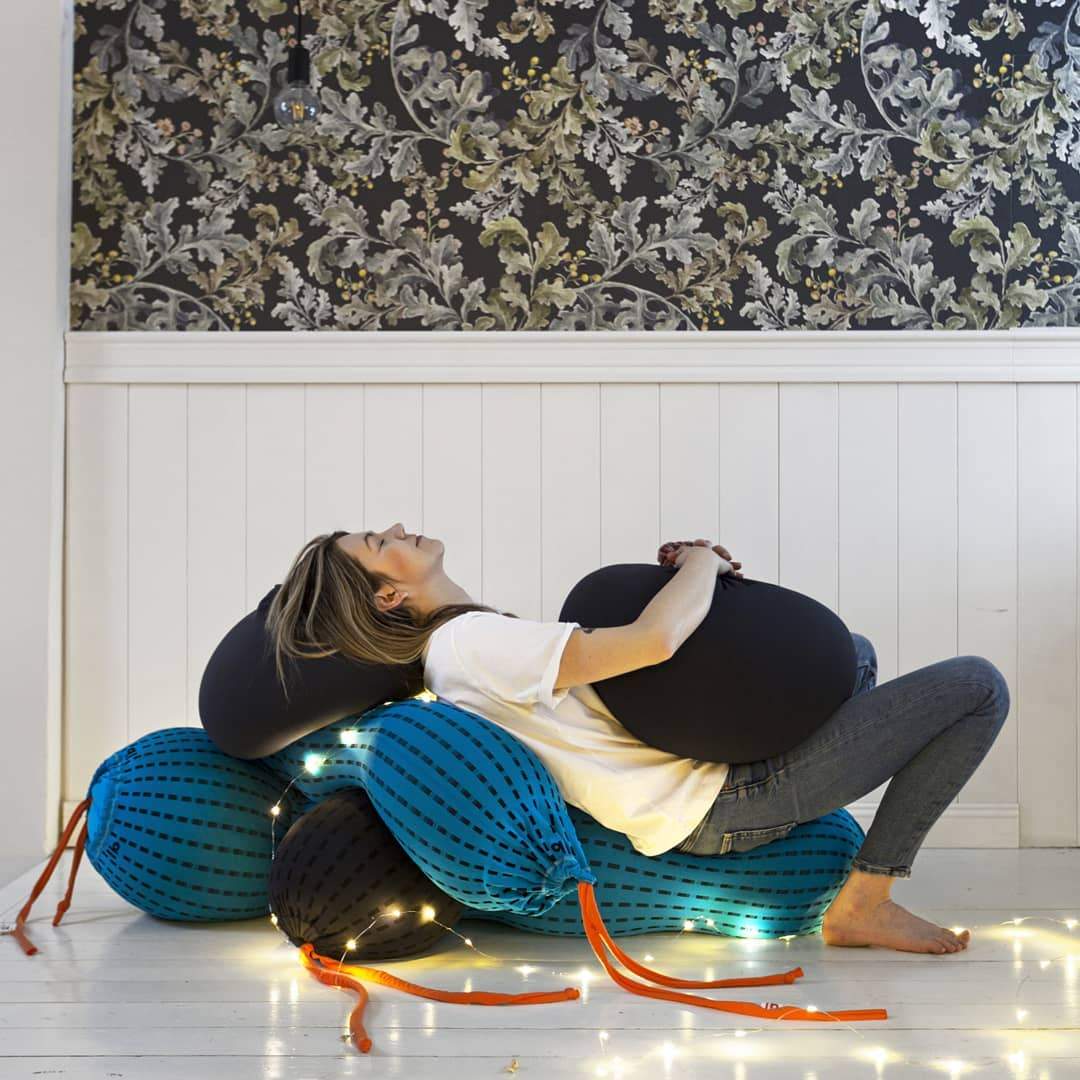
(182, 830)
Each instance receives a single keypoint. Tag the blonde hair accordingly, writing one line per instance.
(326, 606)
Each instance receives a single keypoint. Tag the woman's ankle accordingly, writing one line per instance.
(863, 889)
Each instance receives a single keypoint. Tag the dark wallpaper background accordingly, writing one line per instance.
(578, 164)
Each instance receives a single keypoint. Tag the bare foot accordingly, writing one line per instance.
(890, 926)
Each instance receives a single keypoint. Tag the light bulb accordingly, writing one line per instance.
(296, 102)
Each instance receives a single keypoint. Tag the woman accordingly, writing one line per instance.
(384, 597)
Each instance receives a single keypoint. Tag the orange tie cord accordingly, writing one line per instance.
(334, 973)
(18, 931)
(598, 935)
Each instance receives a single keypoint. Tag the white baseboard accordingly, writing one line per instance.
(970, 825)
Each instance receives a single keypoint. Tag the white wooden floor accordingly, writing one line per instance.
(115, 993)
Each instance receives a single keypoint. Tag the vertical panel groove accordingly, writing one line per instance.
(483, 476)
(1019, 607)
(304, 411)
(423, 398)
(187, 555)
(244, 491)
(779, 531)
(127, 526)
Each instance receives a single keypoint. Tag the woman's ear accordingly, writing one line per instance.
(387, 601)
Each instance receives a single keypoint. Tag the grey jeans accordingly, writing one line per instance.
(928, 730)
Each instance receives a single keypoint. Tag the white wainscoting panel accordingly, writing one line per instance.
(927, 492)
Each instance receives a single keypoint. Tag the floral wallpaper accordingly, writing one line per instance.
(578, 164)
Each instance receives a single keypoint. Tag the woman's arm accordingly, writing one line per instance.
(678, 609)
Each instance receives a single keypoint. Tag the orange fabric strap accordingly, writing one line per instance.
(18, 931)
(347, 976)
(598, 936)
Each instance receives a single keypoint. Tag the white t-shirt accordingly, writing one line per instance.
(504, 669)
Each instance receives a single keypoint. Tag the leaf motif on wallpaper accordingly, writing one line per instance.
(994, 257)
(882, 277)
(806, 43)
(303, 306)
(424, 84)
(907, 102)
(937, 16)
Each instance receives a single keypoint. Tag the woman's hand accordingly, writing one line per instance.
(667, 554)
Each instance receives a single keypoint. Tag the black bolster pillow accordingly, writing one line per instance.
(242, 704)
(766, 667)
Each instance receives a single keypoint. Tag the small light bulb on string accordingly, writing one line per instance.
(275, 810)
(350, 737)
(313, 763)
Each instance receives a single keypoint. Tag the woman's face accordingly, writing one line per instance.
(404, 557)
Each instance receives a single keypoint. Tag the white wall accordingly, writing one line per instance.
(924, 486)
(35, 170)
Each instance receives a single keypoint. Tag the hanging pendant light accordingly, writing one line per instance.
(296, 103)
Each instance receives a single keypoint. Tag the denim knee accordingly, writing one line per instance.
(865, 653)
(979, 669)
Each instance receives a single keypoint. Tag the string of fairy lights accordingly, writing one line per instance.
(879, 1056)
